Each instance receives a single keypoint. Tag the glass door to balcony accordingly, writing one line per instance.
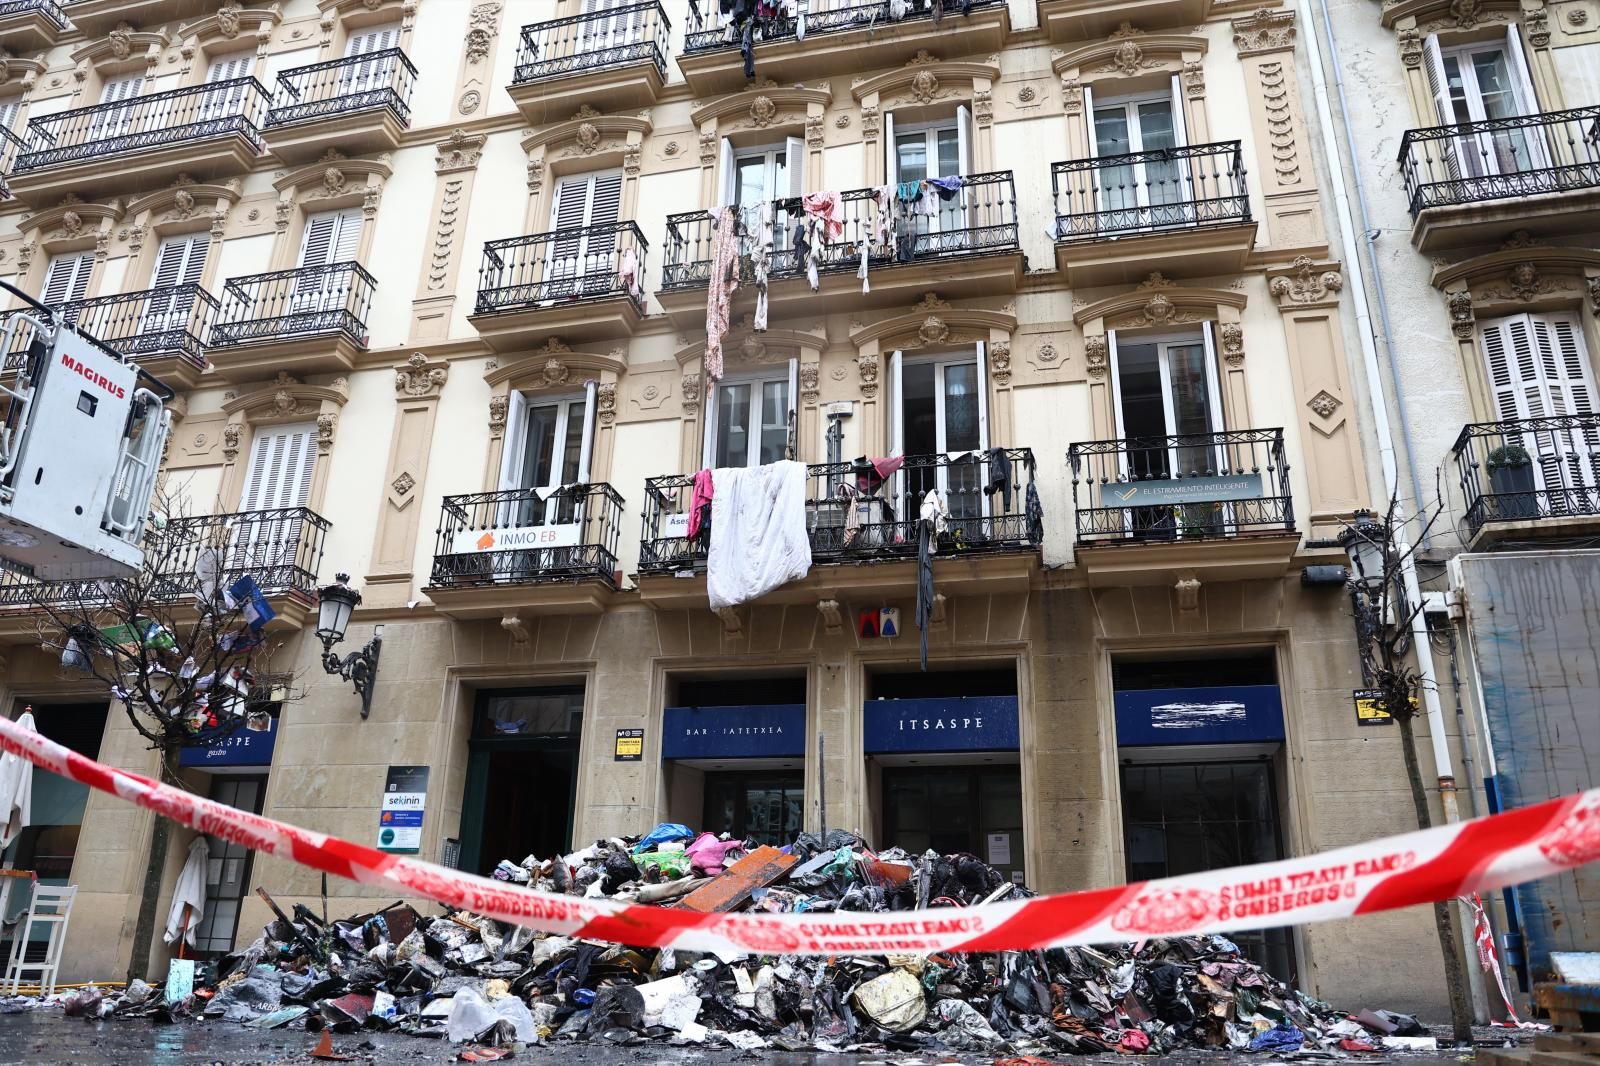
(942, 415)
(548, 453)
(1479, 83)
(180, 261)
(751, 423)
(1165, 388)
(582, 260)
(758, 176)
(1138, 194)
(933, 151)
(1539, 369)
(265, 532)
(376, 73)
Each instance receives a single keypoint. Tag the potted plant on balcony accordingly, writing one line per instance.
(1512, 483)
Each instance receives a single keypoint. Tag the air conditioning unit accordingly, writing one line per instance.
(80, 446)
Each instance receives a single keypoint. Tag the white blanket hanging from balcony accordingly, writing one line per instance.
(758, 532)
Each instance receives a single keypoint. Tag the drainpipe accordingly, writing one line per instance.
(1442, 760)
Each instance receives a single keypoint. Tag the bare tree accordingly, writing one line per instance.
(1384, 619)
(187, 661)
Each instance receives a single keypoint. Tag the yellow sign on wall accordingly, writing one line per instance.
(1368, 710)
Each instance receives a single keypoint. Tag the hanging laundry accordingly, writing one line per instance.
(1035, 515)
(761, 265)
(724, 281)
(898, 9)
(829, 208)
(925, 537)
(699, 500)
(908, 192)
(999, 477)
(928, 201)
(628, 273)
(936, 511)
(253, 606)
(758, 532)
(883, 213)
(861, 271)
(945, 188)
(888, 466)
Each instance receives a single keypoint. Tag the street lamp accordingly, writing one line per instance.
(1363, 541)
(335, 604)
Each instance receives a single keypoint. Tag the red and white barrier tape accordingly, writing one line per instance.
(1399, 871)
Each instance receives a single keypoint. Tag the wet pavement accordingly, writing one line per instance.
(49, 1038)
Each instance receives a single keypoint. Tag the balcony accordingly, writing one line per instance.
(1214, 506)
(10, 147)
(613, 60)
(500, 553)
(1077, 21)
(1541, 172)
(1182, 211)
(165, 330)
(582, 283)
(305, 320)
(207, 131)
(98, 17)
(356, 104)
(856, 517)
(280, 548)
(970, 248)
(30, 25)
(1526, 478)
(842, 37)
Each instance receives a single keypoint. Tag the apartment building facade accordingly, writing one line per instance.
(431, 279)
(1475, 158)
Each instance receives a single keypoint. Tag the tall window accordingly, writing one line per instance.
(370, 74)
(583, 200)
(1538, 368)
(1479, 82)
(749, 177)
(180, 261)
(547, 448)
(940, 411)
(115, 121)
(225, 102)
(751, 421)
(266, 531)
(67, 277)
(330, 238)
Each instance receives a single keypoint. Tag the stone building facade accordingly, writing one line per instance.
(431, 280)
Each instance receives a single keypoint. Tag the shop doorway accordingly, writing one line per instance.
(943, 763)
(1199, 742)
(733, 755)
(522, 777)
(228, 868)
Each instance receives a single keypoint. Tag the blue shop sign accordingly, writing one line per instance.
(961, 723)
(749, 731)
(242, 747)
(1209, 714)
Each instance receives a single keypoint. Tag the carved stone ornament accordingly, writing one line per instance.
(121, 40)
(230, 441)
(762, 111)
(1465, 13)
(1522, 239)
(333, 181)
(72, 223)
(924, 86)
(1096, 355)
(1324, 403)
(1128, 59)
(1577, 16)
(605, 402)
(1266, 31)
(810, 374)
(417, 378)
(228, 20)
(553, 345)
(982, 107)
(460, 152)
(1523, 283)
(1194, 78)
(182, 204)
(1411, 48)
(814, 131)
(1593, 285)
(869, 123)
(932, 302)
(1159, 310)
(1461, 316)
(326, 424)
(553, 373)
(708, 148)
(922, 58)
(1306, 285)
(1048, 353)
(1156, 280)
(588, 138)
(867, 368)
(1000, 363)
(497, 415)
(1231, 335)
(1027, 94)
(933, 330)
(482, 27)
(689, 388)
(403, 484)
(1127, 29)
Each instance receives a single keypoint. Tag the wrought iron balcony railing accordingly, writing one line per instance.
(178, 115)
(280, 548)
(343, 86)
(1501, 157)
(523, 537)
(707, 33)
(599, 40)
(301, 302)
(855, 513)
(47, 8)
(979, 219)
(1190, 485)
(1529, 469)
(545, 269)
(176, 320)
(10, 147)
(1171, 188)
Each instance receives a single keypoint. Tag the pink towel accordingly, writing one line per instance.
(698, 501)
(830, 209)
(886, 467)
(708, 855)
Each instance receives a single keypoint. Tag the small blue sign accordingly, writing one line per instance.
(242, 747)
(1209, 714)
(1205, 488)
(961, 723)
(750, 731)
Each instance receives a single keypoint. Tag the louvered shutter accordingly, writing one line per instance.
(8, 112)
(1538, 368)
(1439, 86)
(115, 121)
(374, 73)
(566, 221)
(330, 237)
(891, 153)
(67, 278)
(181, 261)
(794, 162)
(282, 460)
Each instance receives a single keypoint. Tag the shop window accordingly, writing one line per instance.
(227, 867)
(765, 806)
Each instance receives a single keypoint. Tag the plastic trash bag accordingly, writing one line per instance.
(664, 833)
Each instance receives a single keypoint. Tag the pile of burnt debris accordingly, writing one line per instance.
(470, 979)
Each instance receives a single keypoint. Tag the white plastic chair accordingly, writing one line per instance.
(49, 910)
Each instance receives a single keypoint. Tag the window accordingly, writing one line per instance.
(330, 238)
(9, 108)
(1479, 82)
(752, 176)
(583, 200)
(546, 448)
(226, 102)
(67, 277)
(370, 74)
(940, 409)
(932, 150)
(617, 31)
(1538, 368)
(180, 261)
(1132, 125)
(266, 540)
(750, 420)
(115, 121)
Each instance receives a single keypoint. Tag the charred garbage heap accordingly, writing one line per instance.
(473, 979)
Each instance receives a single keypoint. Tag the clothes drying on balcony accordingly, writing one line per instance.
(1033, 510)
(761, 265)
(758, 532)
(724, 281)
(699, 500)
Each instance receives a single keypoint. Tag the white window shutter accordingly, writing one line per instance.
(282, 460)
(791, 403)
(1088, 118)
(1503, 367)
(605, 204)
(8, 112)
(897, 400)
(1116, 382)
(1559, 340)
(1438, 84)
(116, 90)
(891, 152)
(1180, 126)
(983, 395)
(515, 439)
(347, 238)
(586, 449)
(376, 39)
(571, 202)
(228, 67)
(317, 240)
(67, 278)
(727, 179)
(794, 160)
(181, 260)
(964, 141)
